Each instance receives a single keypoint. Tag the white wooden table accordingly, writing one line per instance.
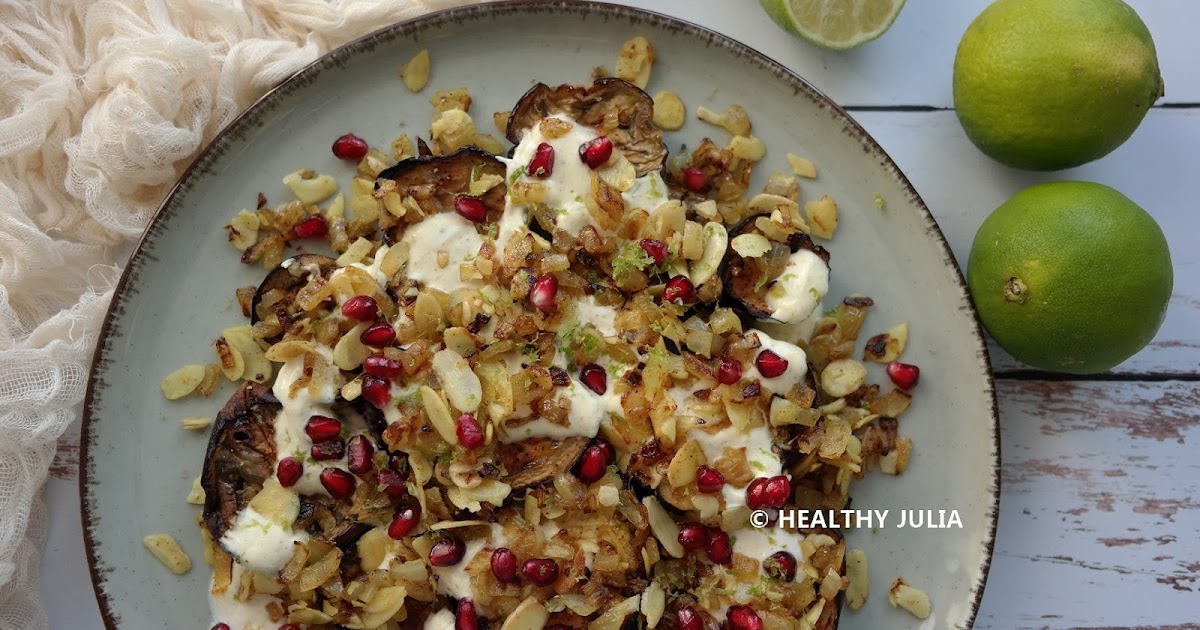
(1101, 486)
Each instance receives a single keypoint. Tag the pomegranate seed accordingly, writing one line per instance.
(781, 565)
(325, 451)
(470, 434)
(323, 429)
(383, 367)
(595, 378)
(504, 565)
(730, 371)
(339, 483)
(719, 549)
(360, 454)
(376, 391)
(542, 164)
(743, 618)
(755, 494)
(221, 626)
(288, 471)
(350, 147)
(378, 335)
(596, 152)
(540, 571)
(610, 455)
(770, 364)
(593, 464)
(312, 227)
(679, 290)
(362, 308)
(393, 484)
(655, 249)
(777, 491)
(541, 296)
(709, 480)
(447, 552)
(693, 536)
(404, 522)
(688, 619)
(904, 375)
(471, 208)
(694, 180)
(466, 618)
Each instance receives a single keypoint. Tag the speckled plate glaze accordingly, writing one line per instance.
(177, 292)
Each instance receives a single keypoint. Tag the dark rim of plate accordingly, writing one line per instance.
(253, 117)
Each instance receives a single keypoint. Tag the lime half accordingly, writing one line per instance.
(834, 24)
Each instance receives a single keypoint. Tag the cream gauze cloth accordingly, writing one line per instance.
(102, 106)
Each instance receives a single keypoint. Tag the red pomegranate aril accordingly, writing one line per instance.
(595, 378)
(542, 163)
(325, 451)
(288, 471)
(655, 249)
(393, 484)
(339, 483)
(470, 434)
(323, 428)
(694, 179)
(465, 618)
(350, 147)
(770, 364)
(756, 498)
(378, 335)
(540, 571)
(383, 367)
(730, 371)
(447, 552)
(781, 565)
(709, 480)
(719, 549)
(593, 464)
(688, 618)
(471, 208)
(904, 375)
(504, 565)
(312, 227)
(610, 455)
(376, 391)
(404, 522)
(595, 152)
(693, 536)
(361, 308)
(777, 491)
(743, 618)
(679, 290)
(544, 290)
(221, 626)
(360, 455)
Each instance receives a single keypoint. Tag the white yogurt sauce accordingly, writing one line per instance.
(589, 410)
(759, 455)
(260, 544)
(586, 311)
(290, 438)
(443, 232)
(441, 620)
(454, 581)
(248, 615)
(798, 292)
(797, 364)
(760, 544)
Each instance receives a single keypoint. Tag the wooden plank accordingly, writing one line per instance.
(912, 63)
(1099, 507)
(961, 186)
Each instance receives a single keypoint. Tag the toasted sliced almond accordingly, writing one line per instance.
(439, 414)
(459, 382)
(750, 245)
(857, 574)
(530, 614)
(182, 381)
(915, 601)
(683, 467)
(168, 552)
(196, 494)
(196, 423)
(665, 529)
(802, 166)
(415, 73)
(309, 187)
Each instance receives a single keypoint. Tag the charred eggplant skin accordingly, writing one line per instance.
(537, 460)
(240, 455)
(289, 276)
(440, 179)
(741, 294)
(636, 135)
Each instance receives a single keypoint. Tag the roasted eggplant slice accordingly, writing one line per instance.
(615, 108)
(747, 280)
(530, 462)
(434, 182)
(274, 301)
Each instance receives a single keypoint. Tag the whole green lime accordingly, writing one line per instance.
(1052, 84)
(1070, 277)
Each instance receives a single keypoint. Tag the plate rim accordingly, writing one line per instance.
(251, 118)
